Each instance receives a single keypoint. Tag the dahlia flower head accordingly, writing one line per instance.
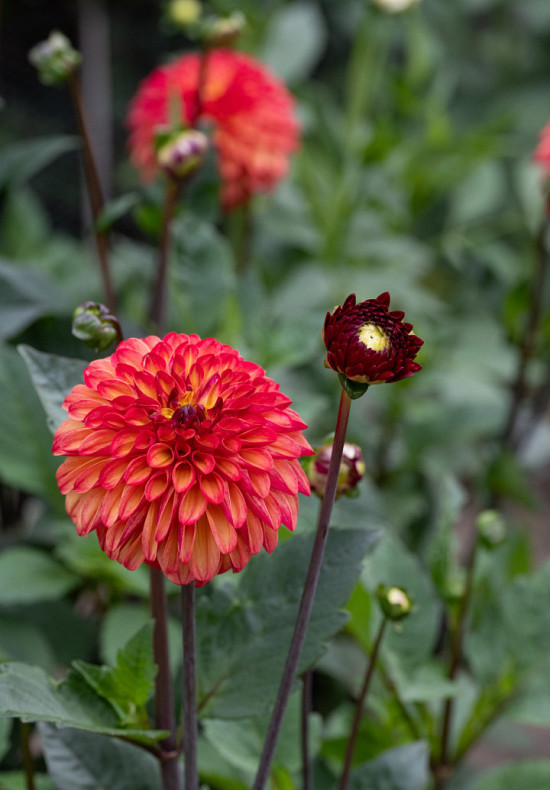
(182, 455)
(368, 344)
(252, 113)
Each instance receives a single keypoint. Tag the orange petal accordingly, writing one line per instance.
(205, 559)
(137, 471)
(160, 455)
(234, 506)
(223, 532)
(213, 487)
(183, 476)
(192, 505)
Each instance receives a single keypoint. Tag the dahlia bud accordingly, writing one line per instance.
(352, 469)
(224, 31)
(395, 6)
(491, 528)
(183, 13)
(55, 59)
(366, 344)
(395, 602)
(95, 326)
(181, 155)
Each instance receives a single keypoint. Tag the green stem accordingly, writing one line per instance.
(28, 762)
(190, 726)
(164, 698)
(157, 310)
(442, 767)
(94, 190)
(308, 595)
(344, 779)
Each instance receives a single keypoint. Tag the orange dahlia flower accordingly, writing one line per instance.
(252, 113)
(182, 455)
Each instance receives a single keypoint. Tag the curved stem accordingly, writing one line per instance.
(344, 779)
(164, 699)
(94, 190)
(308, 595)
(190, 726)
(157, 310)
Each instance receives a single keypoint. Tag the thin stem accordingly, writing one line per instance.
(94, 190)
(443, 765)
(529, 339)
(405, 713)
(201, 85)
(308, 595)
(307, 779)
(190, 726)
(157, 310)
(344, 779)
(28, 762)
(164, 698)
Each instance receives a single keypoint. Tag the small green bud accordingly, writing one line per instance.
(491, 528)
(55, 59)
(395, 602)
(182, 154)
(95, 326)
(183, 13)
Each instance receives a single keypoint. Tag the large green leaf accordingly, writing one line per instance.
(402, 768)
(128, 685)
(243, 636)
(295, 40)
(26, 461)
(26, 692)
(86, 761)
(28, 575)
(22, 160)
(53, 378)
(25, 296)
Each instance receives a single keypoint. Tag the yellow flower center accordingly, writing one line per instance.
(374, 337)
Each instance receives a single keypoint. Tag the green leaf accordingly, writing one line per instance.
(243, 636)
(53, 378)
(28, 575)
(115, 209)
(27, 693)
(531, 774)
(26, 461)
(86, 761)
(295, 41)
(17, 780)
(402, 768)
(129, 684)
(21, 161)
(25, 296)
(22, 641)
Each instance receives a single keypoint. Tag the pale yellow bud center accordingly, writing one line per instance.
(184, 12)
(397, 597)
(374, 337)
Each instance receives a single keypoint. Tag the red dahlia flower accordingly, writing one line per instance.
(367, 344)
(252, 113)
(182, 455)
(542, 151)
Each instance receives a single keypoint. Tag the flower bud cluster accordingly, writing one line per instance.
(55, 59)
(95, 326)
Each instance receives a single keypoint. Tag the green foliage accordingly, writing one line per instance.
(28, 575)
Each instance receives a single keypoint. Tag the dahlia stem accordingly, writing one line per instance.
(28, 762)
(157, 311)
(94, 190)
(344, 779)
(201, 84)
(529, 339)
(308, 595)
(190, 726)
(443, 765)
(307, 779)
(164, 699)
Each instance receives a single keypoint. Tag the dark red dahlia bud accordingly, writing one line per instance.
(366, 344)
(352, 469)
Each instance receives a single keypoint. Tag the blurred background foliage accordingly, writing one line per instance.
(414, 176)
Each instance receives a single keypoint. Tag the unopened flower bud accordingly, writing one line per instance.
(491, 528)
(95, 326)
(55, 59)
(395, 602)
(352, 469)
(181, 155)
(395, 6)
(224, 31)
(183, 13)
